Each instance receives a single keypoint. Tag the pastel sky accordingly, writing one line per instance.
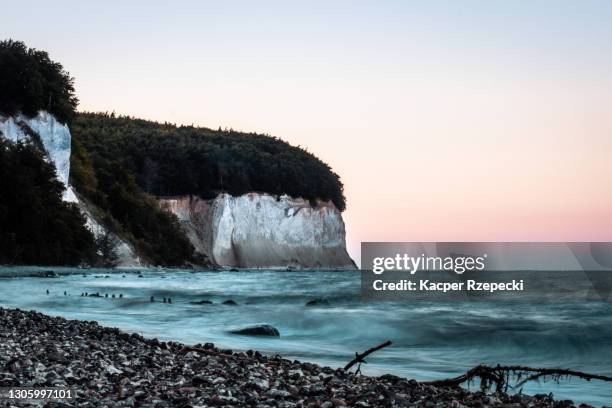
(447, 120)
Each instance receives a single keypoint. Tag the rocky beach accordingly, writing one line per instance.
(108, 367)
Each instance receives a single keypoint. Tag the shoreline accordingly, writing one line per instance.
(107, 366)
(18, 271)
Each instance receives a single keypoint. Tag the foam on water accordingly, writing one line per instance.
(430, 340)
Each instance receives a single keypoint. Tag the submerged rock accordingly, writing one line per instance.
(258, 330)
(318, 302)
(201, 302)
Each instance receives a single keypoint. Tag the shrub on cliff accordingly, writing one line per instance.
(36, 226)
(30, 81)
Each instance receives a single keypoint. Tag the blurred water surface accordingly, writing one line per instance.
(431, 340)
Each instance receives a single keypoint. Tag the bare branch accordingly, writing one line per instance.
(359, 357)
(500, 376)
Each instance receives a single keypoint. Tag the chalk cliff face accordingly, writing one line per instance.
(55, 139)
(54, 136)
(260, 231)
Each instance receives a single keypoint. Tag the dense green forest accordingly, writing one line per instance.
(36, 226)
(30, 81)
(167, 160)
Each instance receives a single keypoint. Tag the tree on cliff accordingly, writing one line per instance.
(36, 226)
(30, 81)
(106, 244)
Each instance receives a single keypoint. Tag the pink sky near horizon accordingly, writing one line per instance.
(485, 121)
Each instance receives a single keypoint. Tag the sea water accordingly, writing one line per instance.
(431, 340)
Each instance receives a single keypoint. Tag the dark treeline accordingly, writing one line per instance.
(167, 160)
(36, 226)
(30, 82)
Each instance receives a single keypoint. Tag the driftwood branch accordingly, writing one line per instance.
(359, 357)
(500, 376)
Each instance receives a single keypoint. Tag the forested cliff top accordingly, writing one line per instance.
(169, 160)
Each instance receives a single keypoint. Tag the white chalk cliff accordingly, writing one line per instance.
(56, 141)
(262, 231)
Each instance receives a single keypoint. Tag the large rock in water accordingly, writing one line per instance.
(258, 330)
(262, 231)
(55, 139)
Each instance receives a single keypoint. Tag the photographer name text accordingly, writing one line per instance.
(426, 285)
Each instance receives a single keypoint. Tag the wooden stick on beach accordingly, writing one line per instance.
(359, 357)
